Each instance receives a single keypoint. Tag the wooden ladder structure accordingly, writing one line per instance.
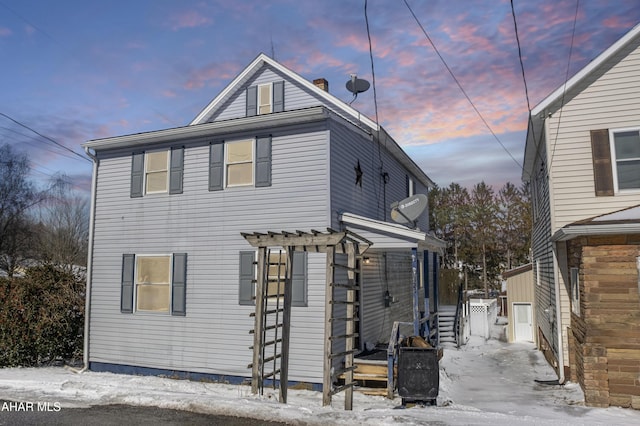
(340, 325)
(272, 320)
(273, 308)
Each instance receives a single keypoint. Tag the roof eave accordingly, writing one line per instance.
(575, 231)
(207, 129)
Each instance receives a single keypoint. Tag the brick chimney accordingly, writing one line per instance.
(322, 83)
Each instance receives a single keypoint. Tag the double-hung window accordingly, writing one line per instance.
(265, 98)
(239, 163)
(625, 153)
(154, 283)
(156, 173)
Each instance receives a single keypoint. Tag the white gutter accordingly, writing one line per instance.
(570, 232)
(87, 302)
(208, 130)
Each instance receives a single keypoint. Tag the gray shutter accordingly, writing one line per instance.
(252, 101)
(126, 291)
(246, 277)
(263, 161)
(299, 278)
(216, 166)
(179, 285)
(602, 171)
(278, 96)
(176, 170)
(137, 174)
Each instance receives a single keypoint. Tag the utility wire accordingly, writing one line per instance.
(460, 85)
(45, 137)
(566, 78)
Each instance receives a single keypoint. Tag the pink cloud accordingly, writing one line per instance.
(217, 72)
(189, 19)
(5, 32)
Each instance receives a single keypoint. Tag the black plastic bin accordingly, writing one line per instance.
(418, 374)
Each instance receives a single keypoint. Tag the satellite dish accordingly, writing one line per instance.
(357, 85)
(409, 209)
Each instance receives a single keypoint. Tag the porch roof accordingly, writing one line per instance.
(387, 235)
(625, 221)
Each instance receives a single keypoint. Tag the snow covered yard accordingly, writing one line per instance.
(485, 382)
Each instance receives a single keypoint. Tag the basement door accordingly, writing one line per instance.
(522, 324)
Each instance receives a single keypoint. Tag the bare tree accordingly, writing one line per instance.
(65, 227)
(18, 196)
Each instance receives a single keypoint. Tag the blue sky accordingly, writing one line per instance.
(80, 70)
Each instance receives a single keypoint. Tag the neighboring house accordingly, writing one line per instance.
(520, 304)
(171, 278)
(582, 160)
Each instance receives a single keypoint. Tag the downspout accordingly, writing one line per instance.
(556, 268)
(87, 305)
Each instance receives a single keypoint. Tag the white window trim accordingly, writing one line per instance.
(253, 162)
(270, 103)
(135, 284)
(614, 161)
(144, 177)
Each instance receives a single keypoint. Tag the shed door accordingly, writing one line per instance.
(522, 325)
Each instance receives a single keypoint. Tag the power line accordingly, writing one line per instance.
(566, 78)
(45, 137)
(460, 85)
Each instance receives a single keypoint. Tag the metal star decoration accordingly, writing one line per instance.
(359, 174)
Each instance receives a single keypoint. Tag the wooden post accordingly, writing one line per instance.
(256, 369)
(286, 327)
(350, 325)
(414, 282)
(327, 381)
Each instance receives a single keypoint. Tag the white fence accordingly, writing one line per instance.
(483, 314)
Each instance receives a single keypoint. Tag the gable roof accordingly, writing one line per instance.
(537, 116)
(254, 67)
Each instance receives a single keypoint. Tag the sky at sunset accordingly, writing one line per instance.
(79, 70)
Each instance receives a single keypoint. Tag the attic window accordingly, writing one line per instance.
(264, 99)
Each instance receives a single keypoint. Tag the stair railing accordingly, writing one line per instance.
(457, 329)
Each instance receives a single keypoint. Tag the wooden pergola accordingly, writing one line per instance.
(273, 308)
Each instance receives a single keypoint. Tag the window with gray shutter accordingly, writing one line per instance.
(601, 153)
(126, 289)
(177, 170)
(216, 166)
(263, 161)
(137, 174)
(179, 285)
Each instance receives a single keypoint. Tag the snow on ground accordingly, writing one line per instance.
(484, 382)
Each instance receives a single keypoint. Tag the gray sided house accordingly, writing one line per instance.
(582, 159)
(171, 278)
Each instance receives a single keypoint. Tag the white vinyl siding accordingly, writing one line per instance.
(609, 99)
